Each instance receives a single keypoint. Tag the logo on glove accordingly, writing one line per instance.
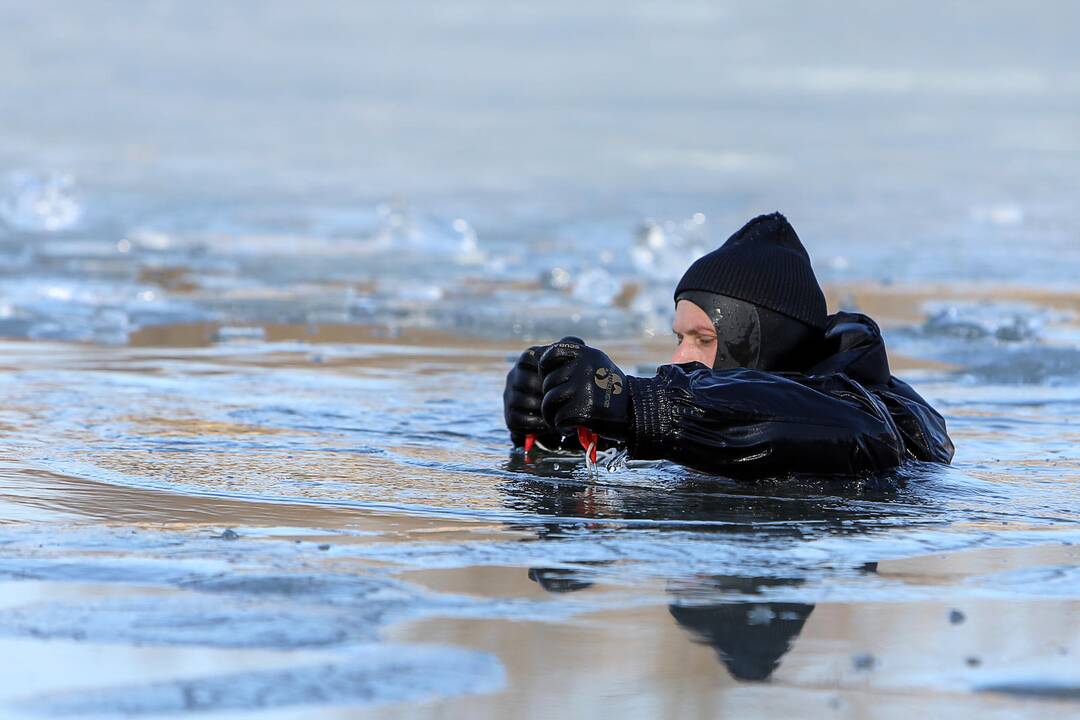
(610, 381)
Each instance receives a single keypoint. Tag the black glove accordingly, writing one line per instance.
(583, 387)
(521, 400)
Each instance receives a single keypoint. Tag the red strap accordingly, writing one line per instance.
(587, 437)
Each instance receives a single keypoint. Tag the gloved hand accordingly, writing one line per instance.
(521, 400)
(583, 387)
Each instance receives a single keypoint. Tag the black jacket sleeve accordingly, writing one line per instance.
(923, 429)
(749, 423)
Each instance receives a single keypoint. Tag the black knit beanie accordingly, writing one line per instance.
(764, 263)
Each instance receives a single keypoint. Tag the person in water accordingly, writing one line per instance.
(763, 381)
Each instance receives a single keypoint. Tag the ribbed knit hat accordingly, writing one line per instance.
(764, 263)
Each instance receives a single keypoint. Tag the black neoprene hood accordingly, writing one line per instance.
(764, 263)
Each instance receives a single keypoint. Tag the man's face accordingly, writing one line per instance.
(695, 333)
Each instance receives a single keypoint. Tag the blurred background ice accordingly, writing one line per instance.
(487, 167)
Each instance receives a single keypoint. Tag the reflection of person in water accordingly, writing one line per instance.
(741, 618)
(762, 382)
(749, 638)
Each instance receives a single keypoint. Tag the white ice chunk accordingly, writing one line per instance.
(40, 202)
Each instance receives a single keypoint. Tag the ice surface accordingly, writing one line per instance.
(40, 202)
(284, 282)
(367, 676)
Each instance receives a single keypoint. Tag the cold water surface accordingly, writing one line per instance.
(261, 278)
(305, 498)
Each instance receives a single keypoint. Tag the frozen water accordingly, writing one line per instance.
(596, 286)
(1006, 322)
(44, 202)
(368, 676)
(285, 288)
(401, 230)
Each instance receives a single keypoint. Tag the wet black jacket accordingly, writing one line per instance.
(844, 415)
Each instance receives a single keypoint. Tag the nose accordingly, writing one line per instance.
(690, 352)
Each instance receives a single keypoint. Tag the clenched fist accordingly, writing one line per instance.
(582, 387)
(521, 400)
